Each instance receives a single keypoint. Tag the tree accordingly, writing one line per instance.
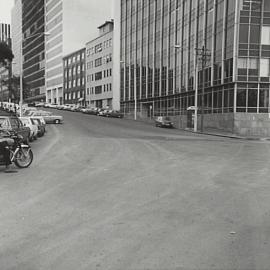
(6, 54)
(14, 84)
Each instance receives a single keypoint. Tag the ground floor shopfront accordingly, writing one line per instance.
(240, 108)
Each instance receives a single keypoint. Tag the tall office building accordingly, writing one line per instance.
(33, 48)
(16, 33)
(162, 43)
(68, 22)
(5, 71)
(99, 68)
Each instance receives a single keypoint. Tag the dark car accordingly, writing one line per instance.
(14, 124)
(115, 114)
(163, 121)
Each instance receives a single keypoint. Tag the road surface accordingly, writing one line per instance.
(118, 194)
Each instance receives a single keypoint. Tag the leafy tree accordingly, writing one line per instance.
(6, 54)
(14, 84)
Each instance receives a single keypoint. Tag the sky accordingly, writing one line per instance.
(96, 12)
(5, 10)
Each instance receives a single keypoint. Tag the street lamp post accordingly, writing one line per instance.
(21, 65)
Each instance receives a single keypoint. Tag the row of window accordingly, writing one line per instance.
(74, 70)
(99, 47)
(74, 83)
(73, 95)
(98, 75)
(98, 89)
(99, 61)
(74, 59)
(263, 65)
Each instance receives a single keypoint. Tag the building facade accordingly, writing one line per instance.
(99, 68)
(33, 48)
(5, 71)
(74, 78)
(221, 48)
(16, 33)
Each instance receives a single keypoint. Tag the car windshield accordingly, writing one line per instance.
(167, 118)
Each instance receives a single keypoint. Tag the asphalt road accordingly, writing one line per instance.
(117, 194)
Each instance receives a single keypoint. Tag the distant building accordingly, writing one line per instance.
(5, 71)
(74, 78)
(67, 22)
(33, 48)
(99, 68)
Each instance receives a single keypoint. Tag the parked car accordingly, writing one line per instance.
(103, 112)
(40, 126)
(115, 114)
(40, 104)
(49, 117)
(163, 121)
(14, 124)
(28, 122)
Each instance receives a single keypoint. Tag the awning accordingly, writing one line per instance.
(81, 99)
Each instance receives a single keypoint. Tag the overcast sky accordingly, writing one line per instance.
(5, 10)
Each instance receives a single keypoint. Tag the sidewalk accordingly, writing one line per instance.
(222, 133)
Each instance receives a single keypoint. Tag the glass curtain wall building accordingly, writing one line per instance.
(168, 48)
(33, 48)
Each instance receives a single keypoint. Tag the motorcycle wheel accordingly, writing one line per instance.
(24, 158)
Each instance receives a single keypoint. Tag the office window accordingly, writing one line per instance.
(265, 37)
(264, 67)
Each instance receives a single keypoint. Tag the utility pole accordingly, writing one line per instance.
(203, 56)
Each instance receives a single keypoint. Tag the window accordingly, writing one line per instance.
(265, 40)
(98, 62)
(98, 89)
(98, 76)
(98, 48)
(264, 67)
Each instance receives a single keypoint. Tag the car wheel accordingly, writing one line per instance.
(57, 121)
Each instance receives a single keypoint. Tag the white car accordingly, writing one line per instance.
(28, 122)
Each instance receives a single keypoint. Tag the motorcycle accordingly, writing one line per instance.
(20, 154)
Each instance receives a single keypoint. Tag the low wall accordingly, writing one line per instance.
(252, 124)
